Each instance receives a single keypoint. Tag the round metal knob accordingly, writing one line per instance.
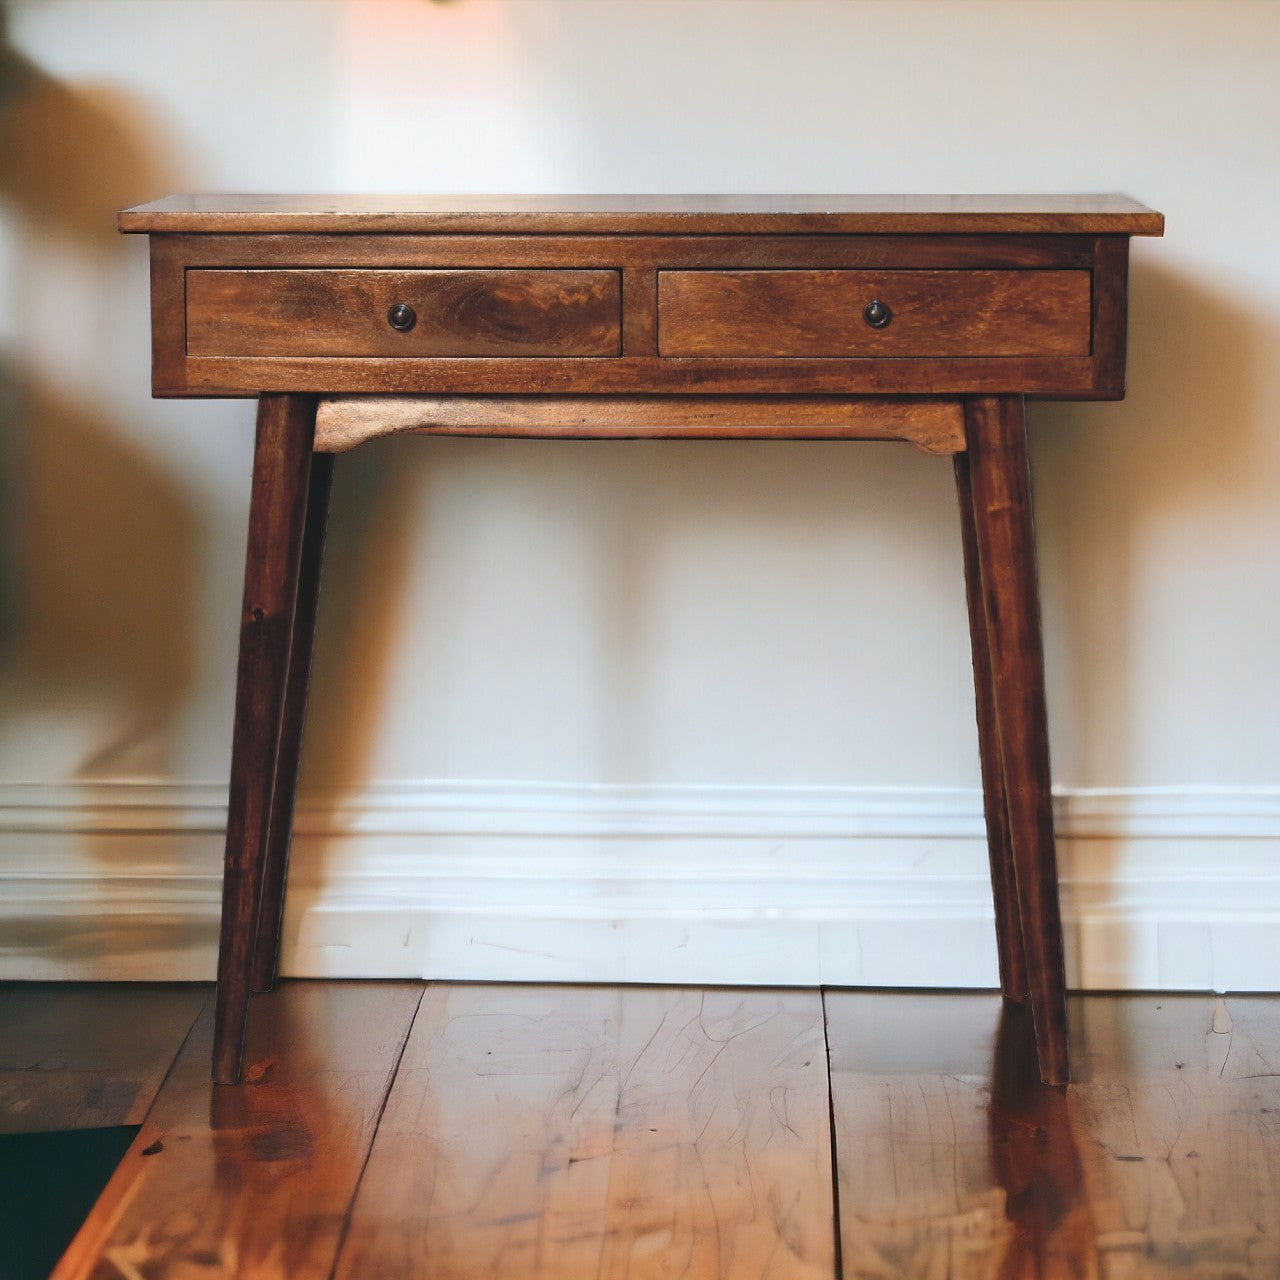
(877, 313)
(402, 317)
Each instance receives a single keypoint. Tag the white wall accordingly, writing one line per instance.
(697, 628)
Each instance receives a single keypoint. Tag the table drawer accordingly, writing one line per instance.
(453, 313)
(782, 313)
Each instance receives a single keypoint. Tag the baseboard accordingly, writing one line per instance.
(1161, 888)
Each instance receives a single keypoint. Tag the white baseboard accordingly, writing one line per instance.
(1161, 889)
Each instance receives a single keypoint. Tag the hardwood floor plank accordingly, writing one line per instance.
(486, 1160)
(253, 1181)
(722, 1164)
(564, 1132)
(88, 1055)
(1161, 1161)
(910, 1087)
(1178, 1109)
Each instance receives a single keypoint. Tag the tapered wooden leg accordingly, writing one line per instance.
(1001, 491)
(281, 467)
(1013, 964)
(266, 952)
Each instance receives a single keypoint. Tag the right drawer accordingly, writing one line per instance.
(839, 313)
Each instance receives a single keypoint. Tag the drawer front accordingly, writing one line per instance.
(781, 313)
(451, 313)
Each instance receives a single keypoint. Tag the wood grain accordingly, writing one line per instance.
(270, 356)
(622, 1132)
(284, 787)
(638, 258)
(1161, 1162)
(1110, 314)
(559, 1133)
(995, 803)
(277, 510)
(781, 313)
(303, 250)
(263, 312)
(640, 311)
(965, 214)
(1066, 377)
(955, 1163)
(910, 1077)
(1000, 480)
(88, 1055)
(168, 309)
(252, 1182)
(1176, 1106)
(934, 425)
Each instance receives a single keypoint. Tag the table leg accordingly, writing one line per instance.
(1004, 890)
(995, 427)
(266, 952)
(281, 466)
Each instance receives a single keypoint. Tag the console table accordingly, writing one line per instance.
(918, 318)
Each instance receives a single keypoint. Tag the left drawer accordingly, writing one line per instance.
(315, 312)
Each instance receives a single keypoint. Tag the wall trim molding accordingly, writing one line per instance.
(1161, 887)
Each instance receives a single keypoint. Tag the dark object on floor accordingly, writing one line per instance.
(48, 1184)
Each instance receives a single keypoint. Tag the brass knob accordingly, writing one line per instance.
(877, 313)
(402, 317)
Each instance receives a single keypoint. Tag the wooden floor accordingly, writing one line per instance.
(483, 1132)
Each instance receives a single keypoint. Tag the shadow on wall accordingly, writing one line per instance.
(1113, 481)
(69, 158)
(590, 533)
(97, 544)
(366, 564)
(96, 561)
(1118, 485)
(100, 576)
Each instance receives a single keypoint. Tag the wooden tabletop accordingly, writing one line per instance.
(663, 215)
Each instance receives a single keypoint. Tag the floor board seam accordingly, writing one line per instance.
(173, 1062)
(90, 1220)
(836, 1252)
(345, 1229)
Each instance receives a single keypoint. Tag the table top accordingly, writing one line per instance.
(648, 214)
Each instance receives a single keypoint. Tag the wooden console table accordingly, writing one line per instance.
(924, 319)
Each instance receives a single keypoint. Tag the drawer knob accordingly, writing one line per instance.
(877, 313)
(402, 317)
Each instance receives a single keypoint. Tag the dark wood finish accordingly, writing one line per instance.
(564, 1133)
(700, 214)
(88, 1055)
(277, 362)
(640, 252)
(627, 317)
(281, 468)
(168, 310)
(936, 426)
(459, 313)
(640, 311)
(1110, 313)
(1004, 889)
(820, 313)
(1000, 481)
(255, 1179)
(266, 950)
(1064, 377)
